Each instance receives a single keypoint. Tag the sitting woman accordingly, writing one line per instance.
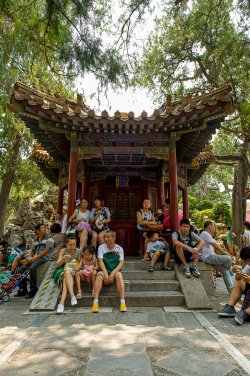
(99, 219)
(88, 265)
(146, 220)
(81, 216)
(68, 260)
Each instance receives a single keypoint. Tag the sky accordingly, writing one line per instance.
(123, 100)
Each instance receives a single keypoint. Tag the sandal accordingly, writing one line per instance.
(167, 268)
(79, 294)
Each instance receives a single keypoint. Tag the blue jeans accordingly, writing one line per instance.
(33, 274)
(221, 263)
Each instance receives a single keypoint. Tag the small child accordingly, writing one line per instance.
(158, 249)
(88, 266)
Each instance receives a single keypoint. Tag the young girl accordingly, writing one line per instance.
(70, 258)
(88, 265)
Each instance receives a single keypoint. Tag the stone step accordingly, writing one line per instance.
(88, 287)
(139, 285)
(144, 265)
(137, 274)
(134, 299)
(154, 285)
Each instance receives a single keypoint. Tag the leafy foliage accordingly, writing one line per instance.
(201, 216)
(222, 213)
(66, 33)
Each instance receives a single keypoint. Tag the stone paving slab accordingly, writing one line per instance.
(119, 362)
(196, 362)
(153, 329)
(193, 291)
(46, 363)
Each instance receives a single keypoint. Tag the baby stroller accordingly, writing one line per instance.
(7, 288)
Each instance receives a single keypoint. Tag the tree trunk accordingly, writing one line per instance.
(8, 179)
(238, 200)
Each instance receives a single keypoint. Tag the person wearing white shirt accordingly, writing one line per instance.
(109, 273)
(221, 263)
(246, 234)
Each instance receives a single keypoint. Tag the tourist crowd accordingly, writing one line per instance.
(86, 251)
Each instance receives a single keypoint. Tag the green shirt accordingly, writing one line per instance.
(229, 236)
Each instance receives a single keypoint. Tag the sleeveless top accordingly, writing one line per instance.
(81, 215)
(74, 255)
(145, 217)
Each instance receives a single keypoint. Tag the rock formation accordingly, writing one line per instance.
(41, 210)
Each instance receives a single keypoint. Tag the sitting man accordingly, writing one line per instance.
(110, 261)
(59, 240)
(39, 254)
(185, 251)
(241, 286)
(221, 263)
(158, 249)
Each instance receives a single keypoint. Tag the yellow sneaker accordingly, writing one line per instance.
(95, 308)
(123, 307)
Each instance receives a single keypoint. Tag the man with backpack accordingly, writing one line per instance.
(110, 262)
(187, 246)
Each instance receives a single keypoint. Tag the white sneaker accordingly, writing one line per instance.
(73, 301)
(60, 308)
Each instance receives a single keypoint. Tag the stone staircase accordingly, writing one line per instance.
(143, 289)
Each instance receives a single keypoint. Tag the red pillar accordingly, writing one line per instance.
(73, 168)
(85, 188)
(99, 188)
(59, 207)
(160, 192)
(172, 167)
(167, 191)
(185, 202)
(146, 190)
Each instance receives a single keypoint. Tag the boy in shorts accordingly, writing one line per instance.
(109, 277)
(158, 249)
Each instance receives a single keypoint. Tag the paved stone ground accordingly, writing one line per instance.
(143, 341)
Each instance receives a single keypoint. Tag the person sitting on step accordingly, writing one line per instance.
(59, 240)
(241, 286)
(39, 254)
(68, 261)
(159, 250)
(110, 261)
(88, 265)
(185, 251)
(99, 220)
(81, 216)
(220, 262)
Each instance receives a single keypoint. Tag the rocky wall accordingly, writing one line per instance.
(42, 210)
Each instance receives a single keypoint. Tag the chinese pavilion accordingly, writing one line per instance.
(122, 158)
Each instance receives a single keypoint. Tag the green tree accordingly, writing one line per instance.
(200, 44)
(222, 213)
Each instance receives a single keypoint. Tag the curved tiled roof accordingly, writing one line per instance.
(142, 141)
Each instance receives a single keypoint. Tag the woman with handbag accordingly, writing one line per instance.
(81, 217)
(99, 220)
